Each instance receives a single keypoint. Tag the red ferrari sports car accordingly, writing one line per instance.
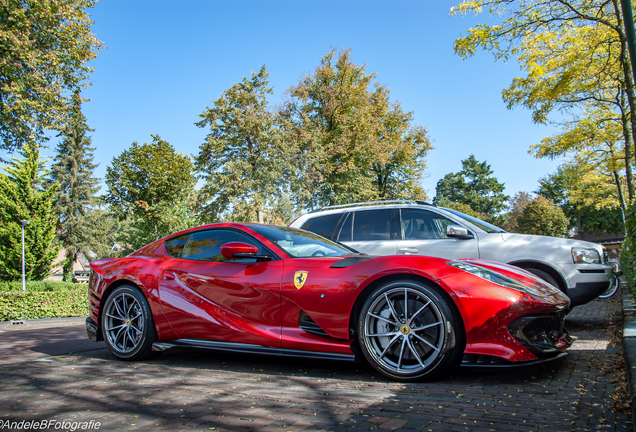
(276, 290)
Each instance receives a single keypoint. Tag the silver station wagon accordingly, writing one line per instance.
(579, 268)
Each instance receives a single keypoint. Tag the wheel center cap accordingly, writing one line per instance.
(405, 330)
(128, 322)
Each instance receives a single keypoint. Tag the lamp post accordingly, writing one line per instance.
(23, 222)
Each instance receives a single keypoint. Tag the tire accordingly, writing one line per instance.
(412, 343)
(127, 324)
(613, 287)
(545, 276)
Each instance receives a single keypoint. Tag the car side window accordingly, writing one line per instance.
(324, 225)
(206, 245)
(374, 225)
(175, 245)
(423, 224)
(345, 230)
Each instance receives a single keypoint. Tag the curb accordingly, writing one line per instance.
(629, 342)
(41, 323)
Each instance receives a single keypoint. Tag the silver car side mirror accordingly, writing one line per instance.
(459, 232)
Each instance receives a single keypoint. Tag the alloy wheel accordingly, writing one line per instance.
(404, 331)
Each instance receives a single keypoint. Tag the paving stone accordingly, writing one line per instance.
(193, 390)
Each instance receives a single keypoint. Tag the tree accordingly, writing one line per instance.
(102, 231)
(517, 205)
(350, 142)
(152, 185)
(73, 170)
(398, 160)
(578, 199)
(474, 186)
(596, 145)
(157, 221)
(26, 195)
(574, 54)
(242, 160)
(44, 50)
(461, 207)
(542, 217)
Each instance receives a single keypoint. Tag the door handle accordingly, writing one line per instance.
(168, 276)
(408, 251)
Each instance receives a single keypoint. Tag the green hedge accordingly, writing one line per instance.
(628, 250)
(71, 301)
(39, 286)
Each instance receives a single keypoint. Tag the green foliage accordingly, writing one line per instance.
(574, 59)
(159, 221)
(475, 187)
(243, 159)
(517, 204)
(44, 48)
(459, 206)
(24, 196)
(102, 231)
(44, 304)
(39, 286)
(628, 249)
(151, 191)
(350, 142)
(73, 170)
(542, 217)
(147, 175)
(559, 187)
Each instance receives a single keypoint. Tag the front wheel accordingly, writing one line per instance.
(127, 324)
(408, 332)
(613, 287)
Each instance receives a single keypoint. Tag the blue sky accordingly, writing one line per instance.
(166, 61)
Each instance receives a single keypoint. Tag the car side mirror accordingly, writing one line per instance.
(459, 232)
(240, 250)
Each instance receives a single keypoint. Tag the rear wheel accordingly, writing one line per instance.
(408, 332)
(127, 324)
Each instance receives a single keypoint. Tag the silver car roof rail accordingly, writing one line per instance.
(401, 201)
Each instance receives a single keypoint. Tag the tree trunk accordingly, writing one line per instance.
(629, 142)
(625, 65)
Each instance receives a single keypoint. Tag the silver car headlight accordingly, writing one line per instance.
(586, 256)
(494, 277)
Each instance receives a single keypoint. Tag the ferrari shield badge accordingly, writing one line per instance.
(300, 277)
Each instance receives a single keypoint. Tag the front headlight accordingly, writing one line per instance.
(586, 256)
(494, 277)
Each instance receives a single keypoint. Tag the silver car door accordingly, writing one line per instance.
(424, 233)
(374, 232)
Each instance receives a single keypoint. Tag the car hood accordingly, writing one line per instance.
(546, 240)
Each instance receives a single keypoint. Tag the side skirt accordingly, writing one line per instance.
(248, 349)
(473, 360)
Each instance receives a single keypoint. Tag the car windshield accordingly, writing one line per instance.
(489, 228)
(301, 244)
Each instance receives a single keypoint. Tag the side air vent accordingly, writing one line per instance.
(306, 323)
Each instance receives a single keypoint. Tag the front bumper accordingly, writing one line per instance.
(584, 292)
(586, 282)
(93, 331)
(542, 335)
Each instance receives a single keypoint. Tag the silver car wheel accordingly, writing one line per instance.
(124, 323)
(612, 288)
(404, 331)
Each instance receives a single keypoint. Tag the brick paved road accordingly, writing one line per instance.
(186, 390)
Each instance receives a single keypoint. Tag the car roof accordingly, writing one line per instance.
(372, 204)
